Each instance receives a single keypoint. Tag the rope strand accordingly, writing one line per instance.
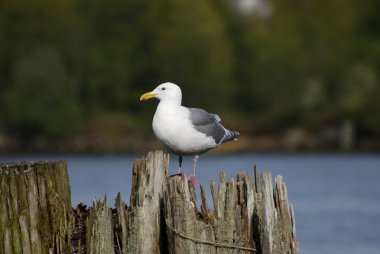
(195, 240)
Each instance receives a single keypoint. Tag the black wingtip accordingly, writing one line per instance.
(231, 135)
(235, 133)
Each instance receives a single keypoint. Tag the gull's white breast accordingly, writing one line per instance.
(172, 126)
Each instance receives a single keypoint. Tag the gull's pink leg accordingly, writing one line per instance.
(195, 162)
(192, 178)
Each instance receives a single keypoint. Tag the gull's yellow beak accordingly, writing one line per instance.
(147, 96)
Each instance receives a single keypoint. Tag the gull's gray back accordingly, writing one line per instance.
(208, 124)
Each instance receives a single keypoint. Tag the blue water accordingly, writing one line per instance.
(336, 197)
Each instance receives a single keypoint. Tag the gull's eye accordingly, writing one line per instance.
(163, 88)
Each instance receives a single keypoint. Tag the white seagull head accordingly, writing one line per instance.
(164, 92)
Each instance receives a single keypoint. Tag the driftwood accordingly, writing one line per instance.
(248, 215)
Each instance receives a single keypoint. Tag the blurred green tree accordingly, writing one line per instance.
(42, 99)
(191, 48)
(299, 63)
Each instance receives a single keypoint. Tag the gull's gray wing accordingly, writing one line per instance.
(208, 124)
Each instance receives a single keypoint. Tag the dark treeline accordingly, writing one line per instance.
(69, 68)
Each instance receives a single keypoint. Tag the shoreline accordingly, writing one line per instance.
(138, 143)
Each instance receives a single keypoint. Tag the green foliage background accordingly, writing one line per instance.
(68, 67)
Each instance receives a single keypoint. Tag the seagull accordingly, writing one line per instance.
(185, 131)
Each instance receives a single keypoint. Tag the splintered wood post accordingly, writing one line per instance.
(121, 225)
(35, 214)
(245, 219)
(183, 225)
(274, 223)
(248, 216)
(145, 232)
(100, 229)
(223, 230)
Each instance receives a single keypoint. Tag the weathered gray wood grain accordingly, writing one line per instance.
(145, 213)
(100, 235)
(246, 215)
(35, 216)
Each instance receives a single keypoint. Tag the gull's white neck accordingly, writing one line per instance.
(165, 109)
(171, 104)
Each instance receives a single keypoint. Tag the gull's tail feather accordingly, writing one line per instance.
(230, 135)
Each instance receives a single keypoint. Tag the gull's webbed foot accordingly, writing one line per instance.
(193, 180)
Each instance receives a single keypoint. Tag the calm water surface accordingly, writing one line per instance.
(336, 197)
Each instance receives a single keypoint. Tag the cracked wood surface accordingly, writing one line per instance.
(246, 215)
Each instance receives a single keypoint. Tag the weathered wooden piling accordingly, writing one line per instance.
(242, 221)
(35, 213)
(247, 216)
(100, 235)
(145, 213)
